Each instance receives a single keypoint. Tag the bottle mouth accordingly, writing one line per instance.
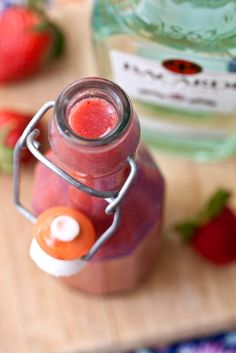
(88, 89)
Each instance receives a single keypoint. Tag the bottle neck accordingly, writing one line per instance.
(106, 182)
(76, 144)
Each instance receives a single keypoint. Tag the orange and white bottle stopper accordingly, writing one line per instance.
(61, 237)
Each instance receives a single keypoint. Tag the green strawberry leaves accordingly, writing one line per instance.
(214, 205)
(186, 230)
(6, 159)
(36, 5)
(58, 45)
(46, 25)
(6, 153)
(212, 208)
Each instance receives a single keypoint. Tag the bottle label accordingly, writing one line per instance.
(175, 83)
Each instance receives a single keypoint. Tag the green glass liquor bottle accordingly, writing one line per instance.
(177, 61)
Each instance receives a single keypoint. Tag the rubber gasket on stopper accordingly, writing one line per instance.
(48, 250)
(52, 266)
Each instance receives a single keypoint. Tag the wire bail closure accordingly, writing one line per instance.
(28, 140)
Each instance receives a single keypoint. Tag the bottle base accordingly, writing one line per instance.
(118, 275)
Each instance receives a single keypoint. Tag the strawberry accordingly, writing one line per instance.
(27, 41)
(12, 124)
(212, 233)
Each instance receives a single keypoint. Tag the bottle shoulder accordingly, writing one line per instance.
(212, 28)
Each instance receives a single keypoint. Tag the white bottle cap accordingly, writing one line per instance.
(53, 266)
(65, 228)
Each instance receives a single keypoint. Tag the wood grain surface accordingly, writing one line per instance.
(184, 296)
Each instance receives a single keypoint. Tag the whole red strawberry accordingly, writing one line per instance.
(27, 41)
(12, 124)
(212, 233)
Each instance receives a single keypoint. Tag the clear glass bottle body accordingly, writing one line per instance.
(176, 60)
(129, 254)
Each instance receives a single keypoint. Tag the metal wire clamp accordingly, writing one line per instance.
(114, 199)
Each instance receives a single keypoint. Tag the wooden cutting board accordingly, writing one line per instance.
(184, 296)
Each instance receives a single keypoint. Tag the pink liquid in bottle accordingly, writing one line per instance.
(92, 133)
(93, 118)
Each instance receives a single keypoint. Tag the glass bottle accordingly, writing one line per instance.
(177, 61)
(101, 164)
